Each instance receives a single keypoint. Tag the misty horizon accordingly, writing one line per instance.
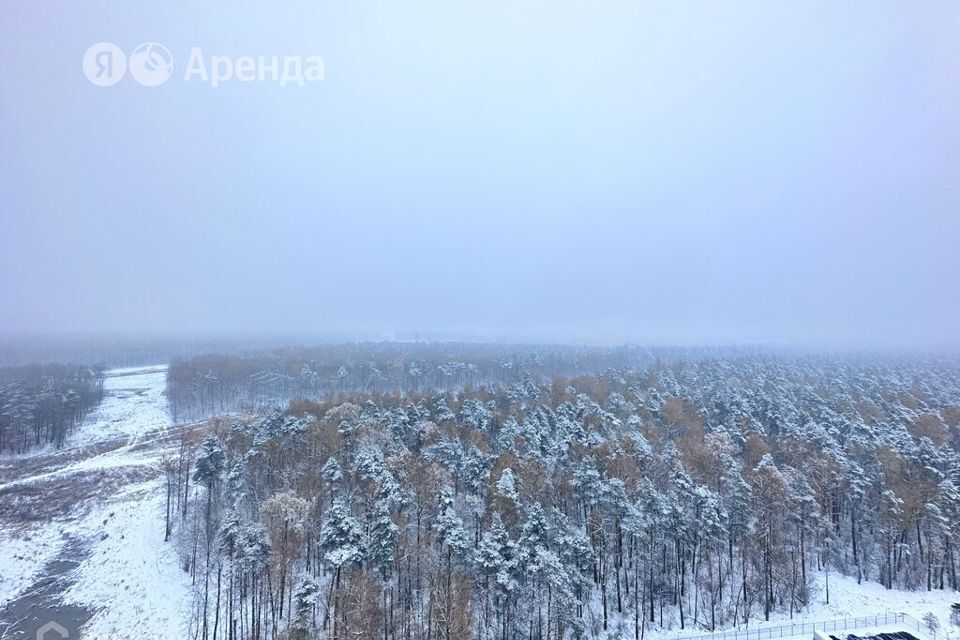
(138, 349)
(650, 174)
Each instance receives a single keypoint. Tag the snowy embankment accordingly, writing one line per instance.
(847, 600)
(104, 495)
(131, 577)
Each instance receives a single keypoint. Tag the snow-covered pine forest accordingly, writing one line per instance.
(41, 404)
(677, 495)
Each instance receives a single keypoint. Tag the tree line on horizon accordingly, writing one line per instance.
(214, 384)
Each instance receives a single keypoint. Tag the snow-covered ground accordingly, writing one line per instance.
(131, 578)
(101, 502)
(133, 405)
(848, 600)
(23, 553)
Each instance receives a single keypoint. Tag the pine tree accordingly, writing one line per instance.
(340, 538)
(382, 538)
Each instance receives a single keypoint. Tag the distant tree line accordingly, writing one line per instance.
(120, 351)
(686, 495)
(41, 404)
(217, 384)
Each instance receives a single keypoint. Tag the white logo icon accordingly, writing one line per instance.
(104, 64)
(151, 64)
(58, 629)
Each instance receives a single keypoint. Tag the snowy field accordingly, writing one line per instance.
(131, 577)
(133, 405)
(127, 580)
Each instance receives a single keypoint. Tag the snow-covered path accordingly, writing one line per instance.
(81, 529)
(133, 406)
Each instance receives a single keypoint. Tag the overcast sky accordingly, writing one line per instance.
(646, 171)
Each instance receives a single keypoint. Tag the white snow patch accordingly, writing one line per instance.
(847, 600)
(23, 554)
(132, 578)
(133, 404)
